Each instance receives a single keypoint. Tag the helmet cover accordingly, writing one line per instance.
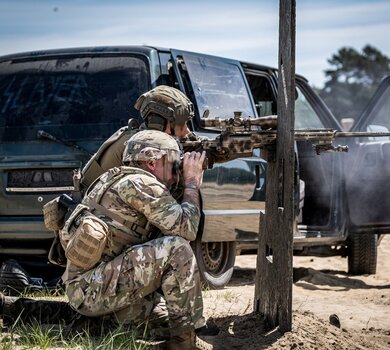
(168, 102)
(147, 145)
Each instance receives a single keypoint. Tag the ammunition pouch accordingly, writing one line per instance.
(86, 246)
(83, 238)
(54, 214)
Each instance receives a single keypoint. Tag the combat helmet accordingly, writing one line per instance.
(162, 104)
(148, 145)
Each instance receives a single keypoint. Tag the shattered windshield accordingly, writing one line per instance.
(72, 98)
(219, 86)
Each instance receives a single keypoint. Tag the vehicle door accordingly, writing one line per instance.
(323, 206)
(368, 171)
(319, 205)
(233, 192)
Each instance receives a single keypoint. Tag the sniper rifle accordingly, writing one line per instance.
(238, 138)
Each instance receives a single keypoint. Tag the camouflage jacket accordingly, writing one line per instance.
(144, 201)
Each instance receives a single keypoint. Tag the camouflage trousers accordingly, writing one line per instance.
(125, 287)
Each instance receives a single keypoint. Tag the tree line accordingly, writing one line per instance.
(352, 80)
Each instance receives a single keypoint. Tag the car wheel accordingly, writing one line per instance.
(362, 255)
(215, 262)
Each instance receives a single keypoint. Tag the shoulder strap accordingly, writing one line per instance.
(97, 192)
(106, 212)
(99, 187)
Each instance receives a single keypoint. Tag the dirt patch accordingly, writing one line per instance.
(322, 288)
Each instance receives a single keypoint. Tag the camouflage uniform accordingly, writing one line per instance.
(135, 265)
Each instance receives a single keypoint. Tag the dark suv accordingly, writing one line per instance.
(58, 106)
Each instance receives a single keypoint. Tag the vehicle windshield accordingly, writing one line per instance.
(71, 98)
(218, 86)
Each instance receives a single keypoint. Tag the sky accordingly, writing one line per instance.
(246, 30)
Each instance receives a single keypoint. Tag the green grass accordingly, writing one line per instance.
(34, 335)
(44, 337)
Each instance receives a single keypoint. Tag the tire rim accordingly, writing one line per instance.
(214, 256)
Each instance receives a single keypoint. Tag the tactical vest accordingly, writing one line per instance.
(125, 232)
(94, 167)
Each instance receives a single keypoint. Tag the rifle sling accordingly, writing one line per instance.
(127, 223)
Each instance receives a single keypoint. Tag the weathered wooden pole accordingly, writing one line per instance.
(273, 291)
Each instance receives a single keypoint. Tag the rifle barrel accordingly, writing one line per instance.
(361, 134)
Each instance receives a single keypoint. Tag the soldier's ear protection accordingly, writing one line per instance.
(156, 122)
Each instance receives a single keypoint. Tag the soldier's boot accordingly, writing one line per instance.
(15, 279)
(30, 310)
(187, 341)
(209, 329)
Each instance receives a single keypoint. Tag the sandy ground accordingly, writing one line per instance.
(362, 304)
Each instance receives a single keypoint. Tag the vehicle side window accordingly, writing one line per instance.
(262, 94)
(218, 86)
(305, 116)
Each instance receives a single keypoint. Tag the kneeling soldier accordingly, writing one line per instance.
(127, 242)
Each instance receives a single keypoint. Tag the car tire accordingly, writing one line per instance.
(362, 255)
(215, 262)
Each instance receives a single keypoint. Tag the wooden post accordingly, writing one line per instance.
(273, 290)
